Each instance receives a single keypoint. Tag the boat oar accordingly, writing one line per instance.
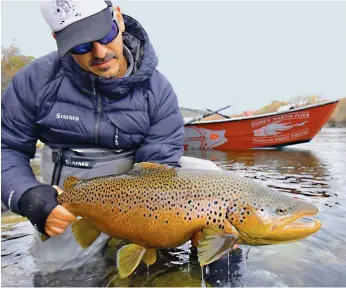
(223, 115)
(206, 115)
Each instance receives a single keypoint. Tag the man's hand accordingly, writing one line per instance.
(58, 219)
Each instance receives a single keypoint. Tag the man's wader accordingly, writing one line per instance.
(62, 251)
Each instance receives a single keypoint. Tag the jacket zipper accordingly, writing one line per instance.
(98, 115)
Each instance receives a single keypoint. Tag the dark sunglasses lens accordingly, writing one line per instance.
(87, 47)
(111, 35)
(82, 49)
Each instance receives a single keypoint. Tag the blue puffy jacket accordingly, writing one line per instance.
(54, 100)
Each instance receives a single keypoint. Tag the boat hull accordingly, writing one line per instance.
(261, 131)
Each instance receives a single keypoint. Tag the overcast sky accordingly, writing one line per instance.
(246, 54)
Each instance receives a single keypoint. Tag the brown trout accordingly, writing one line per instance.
(156, 206)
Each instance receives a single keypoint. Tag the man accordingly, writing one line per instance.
(95, 103)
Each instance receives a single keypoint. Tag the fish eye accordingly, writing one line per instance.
(281, 211)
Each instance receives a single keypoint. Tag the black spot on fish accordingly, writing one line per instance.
(166, 221)
(214, 220)
(215, 202)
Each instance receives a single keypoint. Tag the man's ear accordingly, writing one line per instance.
(120, 19)
(53, 34)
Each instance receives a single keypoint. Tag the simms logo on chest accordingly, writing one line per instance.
(67, 117)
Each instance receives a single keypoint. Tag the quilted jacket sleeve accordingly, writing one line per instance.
(18, 140)
(164, 141)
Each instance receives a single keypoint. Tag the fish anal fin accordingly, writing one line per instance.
(149, 256)
(70, 182)
(214, 244)
(128, 258)
(85, 232)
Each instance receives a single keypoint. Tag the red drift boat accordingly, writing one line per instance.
(272, 130)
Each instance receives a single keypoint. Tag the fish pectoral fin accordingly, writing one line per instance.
(85, 232)
(149, 257)
(214, 243)
(128, 258)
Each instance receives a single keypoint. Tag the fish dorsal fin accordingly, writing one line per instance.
(144, 168)
(214, 244)
(128, 258)
(70, 182)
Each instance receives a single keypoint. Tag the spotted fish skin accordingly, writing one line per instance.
(164, 207)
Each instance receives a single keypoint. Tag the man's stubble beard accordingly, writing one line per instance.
(105, 76)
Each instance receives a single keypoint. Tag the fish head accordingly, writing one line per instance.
(264, 216)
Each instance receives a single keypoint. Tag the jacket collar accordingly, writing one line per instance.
(145, 59)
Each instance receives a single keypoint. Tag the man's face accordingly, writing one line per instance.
(106, 61)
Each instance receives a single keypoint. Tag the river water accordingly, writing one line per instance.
(315, 171)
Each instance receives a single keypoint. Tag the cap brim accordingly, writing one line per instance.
(86, 30)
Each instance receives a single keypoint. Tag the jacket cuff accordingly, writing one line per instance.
(36, 205)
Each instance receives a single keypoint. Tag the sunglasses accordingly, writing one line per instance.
(87, 47)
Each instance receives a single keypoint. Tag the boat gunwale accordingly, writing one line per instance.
(263, 115)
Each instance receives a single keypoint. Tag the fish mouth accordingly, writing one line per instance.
(296, 228)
